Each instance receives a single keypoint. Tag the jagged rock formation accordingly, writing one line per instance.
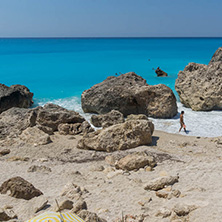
(47, 119)
(130, 94)
(122, 136)
(14, 96)
(200, 86)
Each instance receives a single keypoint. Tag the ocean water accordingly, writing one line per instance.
(59, 70)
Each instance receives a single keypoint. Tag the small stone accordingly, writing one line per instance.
(65, 204)
(79, 205)
(18, 158)
(148, 169)
(97, 168)
(38, 203)
(40, 169)
(108, 169)
(183, 210)
(6, 215)
(42, 160)
(162, 194)
(160, 183)
(114, 174)
(111, 160)
(163, 212)
(90, 217)
(4, 152)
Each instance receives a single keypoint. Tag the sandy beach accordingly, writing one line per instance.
(110, 192)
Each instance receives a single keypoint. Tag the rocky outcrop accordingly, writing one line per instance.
(14, 96)
(135, 161)
(45, 119)
(122, 136)
(108, 119)
(160, 72)
(52, 115)
(74, 129)
(200, 86)
(130, 94)
(19, 188)
(13, 121)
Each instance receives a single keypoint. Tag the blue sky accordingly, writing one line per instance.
(110, 18)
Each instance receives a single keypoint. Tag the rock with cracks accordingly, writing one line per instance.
(19, 188)
(105, 120)
(122, 136)
(52, 115)
(14, 96)
(135, 161)
(130, 94)
(13, 121)
(200, 86)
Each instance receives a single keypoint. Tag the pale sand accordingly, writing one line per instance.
(196, 160)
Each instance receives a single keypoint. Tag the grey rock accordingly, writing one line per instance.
(122, 136)
(200, 86)
(130, 94)
(52, 115)
(105, 120)
(13, 121)
(161, 182)
(14, 96)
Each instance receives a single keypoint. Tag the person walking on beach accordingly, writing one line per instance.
(182, 124)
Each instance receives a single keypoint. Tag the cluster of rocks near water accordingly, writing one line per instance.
(123, 104)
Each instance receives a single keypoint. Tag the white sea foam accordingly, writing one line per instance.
(204, 124)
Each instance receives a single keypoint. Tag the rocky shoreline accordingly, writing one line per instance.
(124, 171)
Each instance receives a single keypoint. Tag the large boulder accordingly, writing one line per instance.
(19, 188)
(13, 121)
(200, 86)
(14, 96)
(122, 136)
(130, 94)
(52, 115)
(108, 119)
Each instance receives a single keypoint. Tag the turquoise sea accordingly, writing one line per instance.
(58, 70)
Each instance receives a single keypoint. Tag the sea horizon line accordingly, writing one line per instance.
(50, 37)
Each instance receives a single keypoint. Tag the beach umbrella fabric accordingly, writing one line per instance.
(56, 217)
